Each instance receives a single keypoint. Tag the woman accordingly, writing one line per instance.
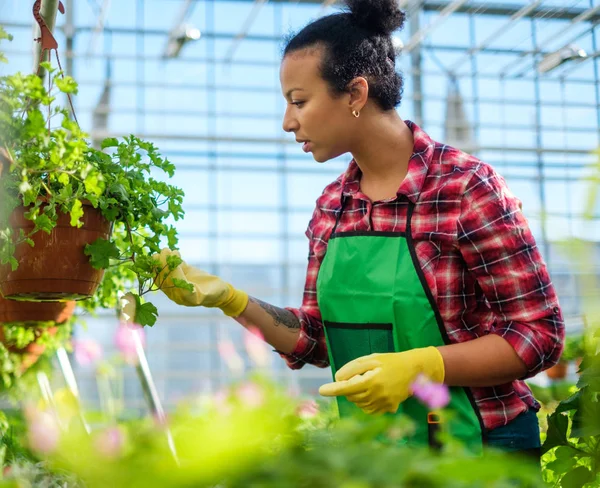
(420, 261)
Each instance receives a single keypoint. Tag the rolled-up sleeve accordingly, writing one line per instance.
(500, 251)
(311, 347)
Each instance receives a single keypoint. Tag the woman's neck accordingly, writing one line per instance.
(382, 153)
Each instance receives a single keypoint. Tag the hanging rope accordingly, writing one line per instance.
(48, 43)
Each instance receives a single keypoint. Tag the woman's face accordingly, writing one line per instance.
(322, 123)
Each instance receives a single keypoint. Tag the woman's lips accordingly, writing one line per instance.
(306, 147)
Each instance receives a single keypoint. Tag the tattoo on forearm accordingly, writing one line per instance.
(281, 316)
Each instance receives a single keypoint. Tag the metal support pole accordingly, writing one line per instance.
(69, 376)
(70, 36)
(416, 62)
(150, 393)
(48, 11)
(48, 396)
(540, 158)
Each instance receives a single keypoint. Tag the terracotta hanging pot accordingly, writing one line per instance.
(20, 311)
(30, 353)
(558, 371)
(56, 268)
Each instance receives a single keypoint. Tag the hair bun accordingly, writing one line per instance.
(380, 16)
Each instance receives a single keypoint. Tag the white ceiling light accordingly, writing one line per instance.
(567, 53)
(180, 36)
(398, 45)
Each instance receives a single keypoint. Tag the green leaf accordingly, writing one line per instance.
(173, 261)
(66, 84)
(146, 314)
(47, 66)
(172, 238)
(566, 458)
(93, 184)
(186, 285)
(44, 223)
(101, 252)
(63, 179)
(4, 34)
(76, 214)
(109, 142)
(571, 403)
(576, 478)
(586, 420)
(590, 376)
(558, 424)
(119, 191)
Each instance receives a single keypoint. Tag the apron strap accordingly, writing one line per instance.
(339, 215)
(409, 214)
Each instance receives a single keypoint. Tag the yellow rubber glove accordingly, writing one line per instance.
(209, 290)
(379, 383)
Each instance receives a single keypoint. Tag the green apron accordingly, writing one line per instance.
(374, 298)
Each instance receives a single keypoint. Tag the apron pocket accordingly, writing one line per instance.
(348, 341)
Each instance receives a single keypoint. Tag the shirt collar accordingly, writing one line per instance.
(418, 166)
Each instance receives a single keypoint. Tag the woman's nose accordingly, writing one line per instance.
(290, 124)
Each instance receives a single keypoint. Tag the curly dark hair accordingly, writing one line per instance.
(357, 42)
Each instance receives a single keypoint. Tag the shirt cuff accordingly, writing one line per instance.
(536, 345)
(308, 348)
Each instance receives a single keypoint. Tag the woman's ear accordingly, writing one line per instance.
(358, 89)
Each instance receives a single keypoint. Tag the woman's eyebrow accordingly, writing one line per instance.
(290, 91)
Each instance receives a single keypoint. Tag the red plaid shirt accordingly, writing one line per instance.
(477, 253)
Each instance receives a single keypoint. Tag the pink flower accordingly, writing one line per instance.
(251, 395)
(230, 356)
(110, 442)
(87, 351)
(293, 391)
(256, 348)
(126, 342)
(433, 395)
(307, 409)
(221, 401)
(43, 432)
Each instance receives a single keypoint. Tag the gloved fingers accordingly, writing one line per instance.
(363, 405)
(359, 397)
(356, 384)
(378, 408)
(193, 273)
(372, 410)
(357, 367)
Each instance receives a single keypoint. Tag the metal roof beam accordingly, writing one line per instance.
(476, 7)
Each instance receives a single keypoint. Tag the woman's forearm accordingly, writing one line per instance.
(486, 361)
(279, 326)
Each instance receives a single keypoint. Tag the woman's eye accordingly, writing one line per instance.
(298, 104)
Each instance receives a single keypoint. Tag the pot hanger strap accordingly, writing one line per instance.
(48, 43)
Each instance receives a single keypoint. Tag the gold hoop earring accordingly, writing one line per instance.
(356, 113)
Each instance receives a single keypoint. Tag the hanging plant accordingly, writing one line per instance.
(77, 222)
(24, 345)
(29, 330)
